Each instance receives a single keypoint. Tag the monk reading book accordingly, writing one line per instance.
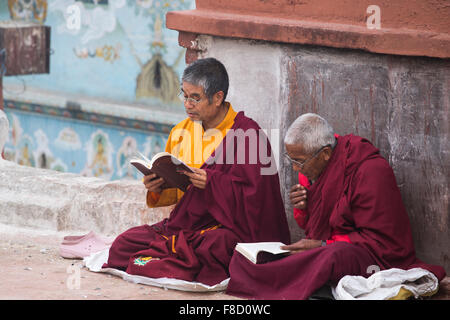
(353, 216)
(228, 200)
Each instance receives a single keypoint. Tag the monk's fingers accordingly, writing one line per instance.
(298, 193)
(303, 244)
(156, 183)
(293, 247)
(201, 174)
(301, 205)
(153, 181)
(196, 177)
(197, 170)
(298, 187)
(297, 196)
(193, 175)
(150, 177)
(298, 200)
(189, 174)
(198, 184)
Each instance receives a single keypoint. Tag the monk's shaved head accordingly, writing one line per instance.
(310, 131)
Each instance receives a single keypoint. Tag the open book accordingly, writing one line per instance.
(262, 252)
(165, 166)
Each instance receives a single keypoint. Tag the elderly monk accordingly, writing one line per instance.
(232, 198)
(351, 211)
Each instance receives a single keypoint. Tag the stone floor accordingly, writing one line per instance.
(32, 269)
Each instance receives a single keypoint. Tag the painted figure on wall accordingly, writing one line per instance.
(100, 164)
(10, 150)
(28, 10)
(126, 151)
(24, 155)
(42, 152)
(153, 145)
(99, 156)
(157, 79)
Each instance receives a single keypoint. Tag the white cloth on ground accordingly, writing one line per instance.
(386, 284)
(95, 261)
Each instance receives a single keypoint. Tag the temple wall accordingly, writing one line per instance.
(111, 87)
(399, 103)
(59, 201)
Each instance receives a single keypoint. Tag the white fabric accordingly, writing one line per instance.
(386, 284)
(95, 261)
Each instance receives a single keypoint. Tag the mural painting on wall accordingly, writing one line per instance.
(120, 51)
(157, 78)
(25, 150)
(99, 156)
(126, 151)
(124, 49)
(28, 10)
(133, 28)
(105, 154)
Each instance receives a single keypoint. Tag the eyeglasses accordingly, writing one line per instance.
(302, 164)
(188, 100)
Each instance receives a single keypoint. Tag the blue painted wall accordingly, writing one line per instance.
(47, 137)
(110, 50)
(101, 50)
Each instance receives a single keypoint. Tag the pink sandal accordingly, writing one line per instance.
(77, 239)
(78, 247)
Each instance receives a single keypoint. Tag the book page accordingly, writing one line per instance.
(251, 250)
(159, 155)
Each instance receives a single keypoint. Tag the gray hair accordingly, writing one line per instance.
(210, 74)
(311, 131)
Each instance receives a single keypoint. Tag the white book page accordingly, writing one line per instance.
(250, 250)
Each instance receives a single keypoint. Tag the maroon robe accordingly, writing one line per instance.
(196, 242)
(356, 195)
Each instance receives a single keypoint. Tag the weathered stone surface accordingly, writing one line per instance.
(401, 104)
(46, 199)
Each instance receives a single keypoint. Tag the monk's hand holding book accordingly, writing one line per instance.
(298, 196)
(153, 182)
(302, 245)
(198, 177)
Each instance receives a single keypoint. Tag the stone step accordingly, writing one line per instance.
(46, 199)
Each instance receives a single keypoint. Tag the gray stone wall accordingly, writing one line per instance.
(399, 103)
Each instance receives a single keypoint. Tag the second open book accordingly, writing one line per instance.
(262, 252)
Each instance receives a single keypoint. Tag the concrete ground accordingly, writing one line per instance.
(32, 269)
